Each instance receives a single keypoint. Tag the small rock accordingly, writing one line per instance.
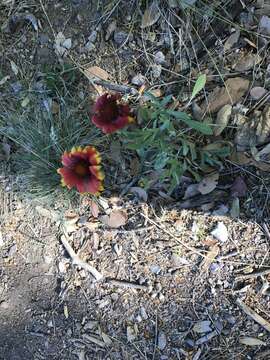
(161, 297)
(264, 25)
(257, 92)
(247, 62)
(12, 250)
(62, 267)
(155, 269)
(120, 37)
(138, 80)
(221, 210)
(50, 323)
(159, 58)
(214, 267)
(162, 340)
(4, 305)
(131, 334)
(220, 232)
(90, 325)
(178, 261)
(143, 313)
(230, 319)
(118, 249)
(156, 71)
(43, 39)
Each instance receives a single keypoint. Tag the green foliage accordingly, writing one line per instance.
(59, 76)
(40, 138)
(199, 85)
(173, 143)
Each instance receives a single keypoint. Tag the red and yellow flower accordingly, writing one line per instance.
(81, 170)
(110, 114)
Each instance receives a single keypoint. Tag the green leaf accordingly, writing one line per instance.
(143, 114)
(199, 85)
(196, 125)
(166, 101)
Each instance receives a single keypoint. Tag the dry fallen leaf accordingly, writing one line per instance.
(239, 187)
(232, 40)
(94, 209)
(208, 183)
(251, 341)
(247, 62)
(222, 119)
(131, 333)
(191, 191)
(263, 125)
(231, 93)
(96, 72)
(210, 257)
(151, 15)
(116, 219)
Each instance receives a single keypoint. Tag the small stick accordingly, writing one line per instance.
(126, 284)
(253, 275)
(76, 259)
(260, 320)
(115, 87)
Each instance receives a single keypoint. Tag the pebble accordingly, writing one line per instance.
(220, 232)
(143, 313)
(12, 250)
(221, 210)
(138, 80)
(159, 58)
(156, 71)
(257, 92)
(4, 305)
(161, 297)
(50, 323)
(43, 39)
(162, 340)
(120, 37)
(155, 269)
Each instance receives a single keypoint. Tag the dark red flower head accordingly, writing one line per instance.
(82, 170)
(110, 115)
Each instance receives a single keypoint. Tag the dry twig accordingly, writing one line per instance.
(76, 259)
(260, 320)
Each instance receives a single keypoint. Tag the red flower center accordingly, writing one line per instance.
(82, 168)
(110, 111)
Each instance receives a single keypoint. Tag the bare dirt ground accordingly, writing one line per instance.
(171, 288)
